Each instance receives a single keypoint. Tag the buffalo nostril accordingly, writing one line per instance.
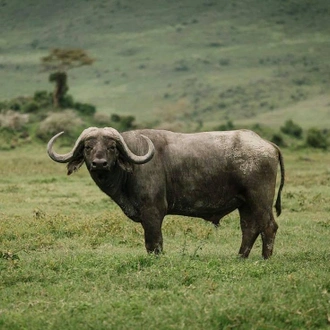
(99, 163)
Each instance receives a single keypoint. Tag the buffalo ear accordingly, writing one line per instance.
(75, 164)
(125, 165)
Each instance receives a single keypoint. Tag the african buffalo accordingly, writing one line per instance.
(151, 173)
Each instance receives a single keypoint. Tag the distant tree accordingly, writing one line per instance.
(58, 62)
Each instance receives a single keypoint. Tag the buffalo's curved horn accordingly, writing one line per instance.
(65, 158)
(127, 152)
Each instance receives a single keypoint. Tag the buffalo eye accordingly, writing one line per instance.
(111, 148)
(88, 148)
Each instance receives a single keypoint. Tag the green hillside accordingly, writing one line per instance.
(178, 64)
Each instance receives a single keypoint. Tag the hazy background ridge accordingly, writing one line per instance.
(178, 61)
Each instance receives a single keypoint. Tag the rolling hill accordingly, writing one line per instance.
(178, 64)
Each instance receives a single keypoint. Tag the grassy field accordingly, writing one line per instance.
(178, 64)
(70, 259)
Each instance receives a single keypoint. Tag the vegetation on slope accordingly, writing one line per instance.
(179, 64)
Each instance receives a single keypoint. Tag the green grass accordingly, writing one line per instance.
(206, 61)
(70, 259)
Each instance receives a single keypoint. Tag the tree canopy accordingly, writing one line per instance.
(65, 59)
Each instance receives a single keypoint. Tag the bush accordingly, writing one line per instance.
(122, 123)
(8, 138)
(67, 121)
(67, 102)
(43, 98)
(115, 118)
(127, 122)
(292, 129)
(316, 139)
(30, 107)
(278, 140)
(22, 104)
(85, 108)
(15, 105)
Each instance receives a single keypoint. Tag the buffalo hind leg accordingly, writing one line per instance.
(153, 236)
(250, 230)
(253, 224)
(268, 237)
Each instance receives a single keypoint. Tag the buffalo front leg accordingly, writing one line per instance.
(153, 236)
